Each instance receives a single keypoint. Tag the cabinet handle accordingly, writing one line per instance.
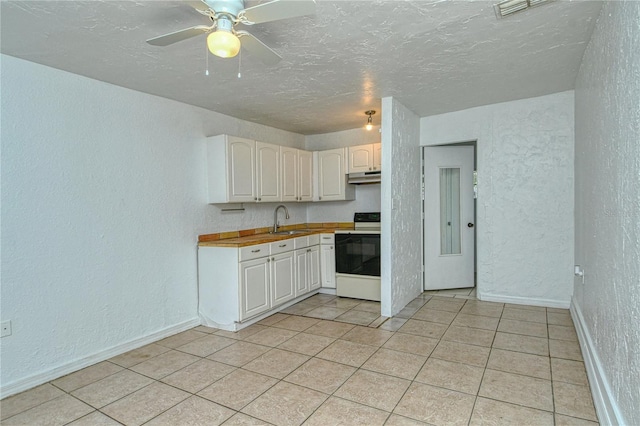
(259, 199)
(326, 238)
(331, 248)
(273, 258)
(255, 251)
(268, 260)
(369, 168)
(282, 245)
(308, 250)
(255, 198)
(319, 198)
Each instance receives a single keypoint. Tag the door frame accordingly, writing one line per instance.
(473, 143)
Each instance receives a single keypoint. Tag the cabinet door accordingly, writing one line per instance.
(305, 176)
(282, 278)
(302, 272)
(360, 158)
(377, 156)
(328, 266)
(254, 287)
(313, 264)
(268, 172)
(331, 175)
(240, 169)
(289, 173)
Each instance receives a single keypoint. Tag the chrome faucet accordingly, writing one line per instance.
(275, 216)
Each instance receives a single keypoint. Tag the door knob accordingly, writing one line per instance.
(470, 225)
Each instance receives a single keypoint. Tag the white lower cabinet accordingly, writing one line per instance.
(237, 284)
(283, 278)
(327, 261)
(254, 287)
(307, 270)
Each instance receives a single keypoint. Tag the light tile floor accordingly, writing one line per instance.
(447, 359)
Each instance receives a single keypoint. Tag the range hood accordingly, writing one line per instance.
(364, 177)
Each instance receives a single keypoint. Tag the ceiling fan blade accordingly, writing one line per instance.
(279, 9)
(174, 37)
(258, 48)
(198, 4)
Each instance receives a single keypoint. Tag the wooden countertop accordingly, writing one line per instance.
(226, 239)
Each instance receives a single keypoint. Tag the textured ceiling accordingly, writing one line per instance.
(433, 56)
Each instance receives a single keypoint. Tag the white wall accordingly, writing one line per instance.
(401, 269)
(607, 215)
(524, 213)
(103, 196)
(367, 196)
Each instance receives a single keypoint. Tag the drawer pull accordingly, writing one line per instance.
(282, 245)
(308, 250)
(255, 251)
(326, 238)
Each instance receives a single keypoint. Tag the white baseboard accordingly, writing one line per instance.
(547, 303)
(605, 404)
(54, 373)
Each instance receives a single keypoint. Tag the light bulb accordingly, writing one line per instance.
(369, 126)
(224, 44)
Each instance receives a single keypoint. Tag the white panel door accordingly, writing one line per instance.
(268, 172)
(282, 278)
(449, 232)
(241, 169)
(254, 287)
(305, 176)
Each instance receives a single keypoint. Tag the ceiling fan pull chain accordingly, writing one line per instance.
(240, 64)
(206, 55)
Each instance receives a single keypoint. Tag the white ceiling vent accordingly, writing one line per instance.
(508, 7)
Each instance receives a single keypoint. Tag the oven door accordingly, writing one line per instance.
(358, 253)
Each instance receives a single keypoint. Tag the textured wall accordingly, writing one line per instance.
(608, 199)
(103, 196)
(367, 196)
(524, 211)
(401, 207)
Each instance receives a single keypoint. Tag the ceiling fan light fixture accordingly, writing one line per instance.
(369, 125)
(223, 42)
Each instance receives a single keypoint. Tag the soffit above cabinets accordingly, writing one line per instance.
(432, 56)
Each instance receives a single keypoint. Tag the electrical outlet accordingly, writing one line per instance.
(5, 326)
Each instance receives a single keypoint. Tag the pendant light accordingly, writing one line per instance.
(369, 125)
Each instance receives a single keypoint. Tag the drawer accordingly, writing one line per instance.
(327, 238)
(300, 242)
(314, 239)
(254, 252)
(281, 246)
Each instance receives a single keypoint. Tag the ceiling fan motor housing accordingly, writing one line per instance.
(230, 7)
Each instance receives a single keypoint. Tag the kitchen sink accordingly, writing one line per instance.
(294, 232)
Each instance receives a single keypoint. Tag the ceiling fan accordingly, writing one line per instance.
(223, 39)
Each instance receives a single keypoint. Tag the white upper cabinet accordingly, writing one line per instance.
(289, 173)
(267, 172)
(377, 156)
(305, 175)
(364, 158)
(296, 168)
(331, 177)
(242, 170)
(231, 169)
